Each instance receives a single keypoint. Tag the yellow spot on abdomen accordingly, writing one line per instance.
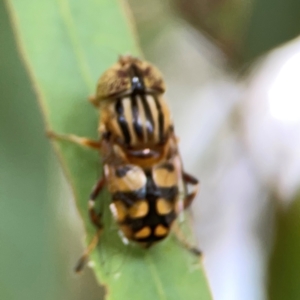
(165, 178)
(133, 180)
(143, 233)
(139, 209)
(163, 206)
(118, 210)
(161, 230)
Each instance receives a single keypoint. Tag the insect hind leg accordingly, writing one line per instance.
(189, 179)
(183, 241)
(83, 259)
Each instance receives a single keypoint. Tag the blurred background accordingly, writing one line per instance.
(232, 69)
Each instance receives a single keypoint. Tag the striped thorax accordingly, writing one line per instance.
(134, 114)
(137, 120)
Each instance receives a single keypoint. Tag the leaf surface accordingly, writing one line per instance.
(66, 45)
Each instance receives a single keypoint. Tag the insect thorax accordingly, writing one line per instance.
(133, 111)
(136, 121)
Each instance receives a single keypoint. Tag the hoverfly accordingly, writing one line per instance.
(142, 167)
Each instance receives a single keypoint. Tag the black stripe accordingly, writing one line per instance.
(160, 121)
(122, 121)
(149, 118)
(168, 166)
(169, 193)
(122, 171)
(136, 120)
(129, 198)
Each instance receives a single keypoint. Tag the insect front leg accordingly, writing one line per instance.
(189, 179)
(82, 141)
(93, 100)
(96, 220)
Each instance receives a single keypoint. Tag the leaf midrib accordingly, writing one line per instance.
(156, 278)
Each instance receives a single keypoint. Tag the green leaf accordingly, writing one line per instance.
(66, 45)
(272, 23)
(224, 21)
(284, 269)
(244, 30)
(22, 148)
(32, 229)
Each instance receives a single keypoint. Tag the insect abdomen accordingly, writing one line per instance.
(144, 203)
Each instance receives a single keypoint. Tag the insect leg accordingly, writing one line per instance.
(189, 179)
(94, 216)
(96, 220)
(75, 139)
(83, 259)
(93, 100)
(182, 239)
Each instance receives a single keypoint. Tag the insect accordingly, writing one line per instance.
(142, 168)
